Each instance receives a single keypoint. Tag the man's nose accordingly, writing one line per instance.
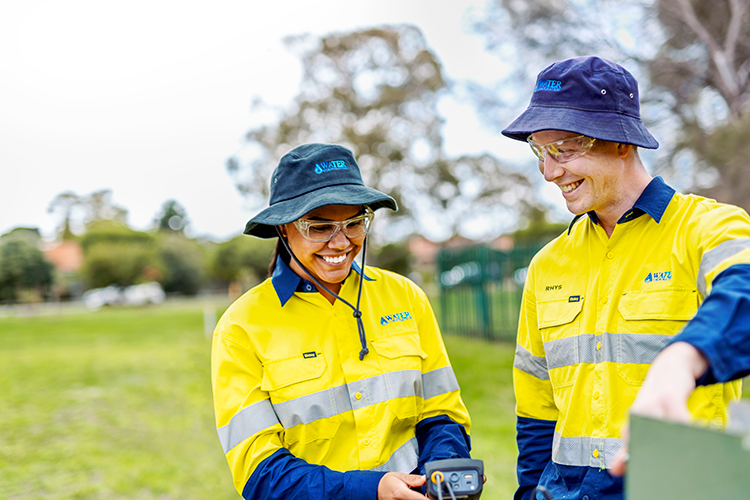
(550, 168)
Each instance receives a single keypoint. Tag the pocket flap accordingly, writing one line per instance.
(399, 345)
(558, 312)
(670, 304)
(281, 373)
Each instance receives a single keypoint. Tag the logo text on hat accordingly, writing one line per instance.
(553, 85)
(327, 166)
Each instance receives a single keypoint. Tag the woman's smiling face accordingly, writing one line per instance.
(329, 261)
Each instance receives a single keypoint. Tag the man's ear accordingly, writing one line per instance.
(623, 150)
(282, 228)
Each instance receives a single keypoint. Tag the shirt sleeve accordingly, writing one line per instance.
(535, 407)
(721, 328)
(282, 476)
(534, 439)
(441, 438)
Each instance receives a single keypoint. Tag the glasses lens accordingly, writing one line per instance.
(320, 231)
(565, 150)
(537, 149)
(356, 226)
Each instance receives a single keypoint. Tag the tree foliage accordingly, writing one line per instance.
(691, 57)
(172, 218)
(242, 259)
(184, 263)
(76, 212)
(376, 92)
(118, 255)
(23, 268)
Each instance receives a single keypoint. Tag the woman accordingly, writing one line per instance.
(325, 387)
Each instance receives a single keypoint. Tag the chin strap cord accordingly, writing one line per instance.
(357, 313)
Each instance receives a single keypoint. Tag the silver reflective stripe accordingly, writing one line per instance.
(714, 257)
(536, 366)
(343, 398)
(404, 459)
(585, 451)
(387, 386)
(439, 382)
(311, 407)
(247, 422)
(614, 347)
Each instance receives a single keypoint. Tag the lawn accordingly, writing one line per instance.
(116, 404)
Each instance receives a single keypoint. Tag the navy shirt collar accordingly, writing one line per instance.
(652, 201)
(285, 281)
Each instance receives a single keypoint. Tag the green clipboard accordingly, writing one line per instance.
(670, 461)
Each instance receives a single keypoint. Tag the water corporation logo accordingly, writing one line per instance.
(327, 166)
(392, 318)
(553, 85)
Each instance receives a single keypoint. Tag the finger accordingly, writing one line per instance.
(484, 479)
(620, 463)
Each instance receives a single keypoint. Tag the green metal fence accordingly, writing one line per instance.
(480, 290)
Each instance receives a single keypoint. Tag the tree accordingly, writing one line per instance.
(118, 255)
(375, 92)
(242, 259)
(80, 212)
(23, 269)
(172, 218)
(184, 262)
(691, 57)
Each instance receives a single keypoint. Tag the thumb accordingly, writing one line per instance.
(413, 479)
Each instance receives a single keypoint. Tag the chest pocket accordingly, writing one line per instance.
(559, 323)
(400, 358)
(301, 396)
(648, 321)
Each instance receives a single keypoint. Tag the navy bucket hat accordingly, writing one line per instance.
(309, 177)
(588, 96)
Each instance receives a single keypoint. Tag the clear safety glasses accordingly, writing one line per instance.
(326, 231)
(562, 151)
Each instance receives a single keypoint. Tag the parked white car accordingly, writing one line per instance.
(136, 295)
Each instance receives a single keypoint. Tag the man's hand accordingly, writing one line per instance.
(395, 485)
(669, 383)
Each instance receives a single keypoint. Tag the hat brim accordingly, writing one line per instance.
(284, 212)
(604, 125)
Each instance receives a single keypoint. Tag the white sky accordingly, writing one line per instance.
(149, 98)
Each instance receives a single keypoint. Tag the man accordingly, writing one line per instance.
(638, 264)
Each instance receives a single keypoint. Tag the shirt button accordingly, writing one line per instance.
(610, 255)
(358, 395)
(308, 288)
(598, 346)
(585, 497)
(366, 442)
(596, 396)
(604, 300)
(596, 453)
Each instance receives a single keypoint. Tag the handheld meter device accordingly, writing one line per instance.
(456, 478)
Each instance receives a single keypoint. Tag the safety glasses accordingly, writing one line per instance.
(562, 151)
(326, 231)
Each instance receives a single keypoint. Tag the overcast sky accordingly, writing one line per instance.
(149, 98)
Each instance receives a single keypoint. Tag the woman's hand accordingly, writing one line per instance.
(396, 486)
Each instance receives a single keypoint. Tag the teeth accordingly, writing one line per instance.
(334, 260)
(567, 188)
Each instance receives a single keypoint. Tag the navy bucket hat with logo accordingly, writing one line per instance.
(588, 96)
(309, 177)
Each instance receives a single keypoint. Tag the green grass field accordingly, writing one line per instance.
(117, 405)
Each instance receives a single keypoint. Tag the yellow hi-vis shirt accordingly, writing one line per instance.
(597, 310)
(290, 376)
